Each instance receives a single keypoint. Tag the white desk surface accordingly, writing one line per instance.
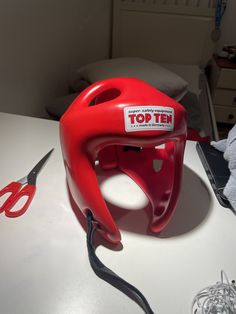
(44, 267)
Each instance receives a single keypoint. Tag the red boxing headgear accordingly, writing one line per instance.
(102, 123)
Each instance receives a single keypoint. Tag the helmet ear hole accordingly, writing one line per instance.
(107, 95)
(157, 164)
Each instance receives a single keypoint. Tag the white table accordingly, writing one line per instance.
(44, 267)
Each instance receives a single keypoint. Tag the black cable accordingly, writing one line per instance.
(108, 275)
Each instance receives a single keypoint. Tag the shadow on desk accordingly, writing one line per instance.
(191, 211)
(193, 206)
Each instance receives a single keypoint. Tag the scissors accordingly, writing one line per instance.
(23, 187)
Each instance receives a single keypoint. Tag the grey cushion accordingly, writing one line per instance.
(60, 105)
(159, 77)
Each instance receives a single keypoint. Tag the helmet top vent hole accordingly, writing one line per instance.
(105, 96)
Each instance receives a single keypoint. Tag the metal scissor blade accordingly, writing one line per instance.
(34, 172)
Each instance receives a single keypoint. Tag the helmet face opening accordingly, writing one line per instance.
(131, 127)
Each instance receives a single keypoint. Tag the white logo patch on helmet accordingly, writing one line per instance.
(147, 118)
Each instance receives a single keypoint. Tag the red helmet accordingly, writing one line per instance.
(108, 122)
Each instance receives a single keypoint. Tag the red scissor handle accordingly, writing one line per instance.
(17, 194)
(12, 188)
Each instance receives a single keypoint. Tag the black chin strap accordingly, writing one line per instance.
(108, 275)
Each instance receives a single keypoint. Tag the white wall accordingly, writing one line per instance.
(42, 41)
(228, 28)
